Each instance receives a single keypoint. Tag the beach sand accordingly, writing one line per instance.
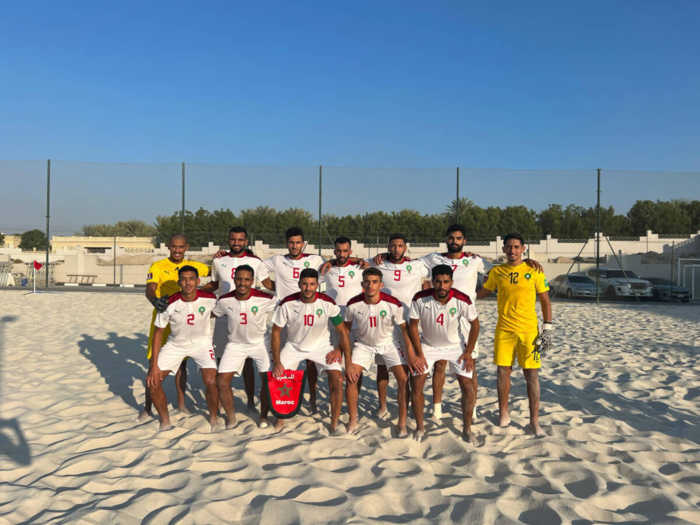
(620, 395)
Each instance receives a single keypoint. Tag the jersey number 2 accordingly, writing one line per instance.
(190, 319)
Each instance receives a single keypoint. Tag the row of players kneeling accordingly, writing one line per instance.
(379, 321)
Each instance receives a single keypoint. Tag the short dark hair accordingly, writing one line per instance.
(342, 240)
(456, 228)
(293, 232)
(177, 236)
(516, 236)
(238, 229)
(397, 236)
(371, 271)
(442, 269)
(246, 268)
(188, 268)
(308, 272)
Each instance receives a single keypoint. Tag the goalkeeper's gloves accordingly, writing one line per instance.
(544, 341)
(160, 303)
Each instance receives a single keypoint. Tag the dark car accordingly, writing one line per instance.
(667, 290)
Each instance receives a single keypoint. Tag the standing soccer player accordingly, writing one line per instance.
(162, 282)
(306, 315)
(287, 269)
(377, 316)
(517, 333)
(343, 280)
(187, 314)
(439, 310)
(246, 311)
(223, 271)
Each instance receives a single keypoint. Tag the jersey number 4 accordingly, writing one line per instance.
(440, 319)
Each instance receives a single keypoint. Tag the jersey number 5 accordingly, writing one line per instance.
(341, 281)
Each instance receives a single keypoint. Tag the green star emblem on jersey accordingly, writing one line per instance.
(453, 311)
(319, 312)
(382, 314)
(351, 274)
(285, 390)
(408, 268)
(307, 264)
(528, 276)
(202, 310)
(254, 309)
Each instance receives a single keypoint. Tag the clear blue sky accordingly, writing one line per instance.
(389, 84)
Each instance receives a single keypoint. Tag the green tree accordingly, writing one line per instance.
(2, 239)
(519, 219)
(462, 207)
(551, 219)
(33, 239)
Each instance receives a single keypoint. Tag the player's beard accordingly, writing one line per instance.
(237, 253)
(454, 248)
(342, 262)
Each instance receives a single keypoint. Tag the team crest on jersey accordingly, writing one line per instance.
(254, 309)
(408, 268)
(201, 310)
(528, 276)
(453, 311)
(351, 274)
(382, 314)
(150, 276)
(319, 312)
(307, 264)
(465, 262)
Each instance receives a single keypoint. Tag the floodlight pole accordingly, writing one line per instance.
(183, 198)
(48, 215)
(597, 245)
(320, 200)
(457, 194)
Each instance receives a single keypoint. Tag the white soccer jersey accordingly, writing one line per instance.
(223, 270)
(402, 280)
(307, 323)
(440, 323)
(287, 271)
(465, 270)
(247, 319)
(189, 320)
(343, 283)
(375, 322)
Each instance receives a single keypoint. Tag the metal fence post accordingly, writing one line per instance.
(48, 215)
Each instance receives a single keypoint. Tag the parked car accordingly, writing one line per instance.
(667, 290)
(573, 286)
(621, 283)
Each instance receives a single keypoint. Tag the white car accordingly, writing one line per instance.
(621, 283)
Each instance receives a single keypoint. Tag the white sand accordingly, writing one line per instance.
(620, 402)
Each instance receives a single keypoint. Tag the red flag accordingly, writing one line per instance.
(38, 266)
(285, 393)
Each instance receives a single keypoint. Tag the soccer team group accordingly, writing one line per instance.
(413, 317)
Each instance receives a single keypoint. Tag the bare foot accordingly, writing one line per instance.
(182, 409)
(262, 423)
(214, 424)
(279, 425)
(381, 413)
(504, 421)
(231, 423)
(537, 430)
(351, 427)
(402, 432)
(145, 414)
(334, 431)
(312, 405)
(470, 438)
(165, 426)
(419, 435)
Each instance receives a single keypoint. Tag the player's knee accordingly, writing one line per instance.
(223, 382)
(440, 367)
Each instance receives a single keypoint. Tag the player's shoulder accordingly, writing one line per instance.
(205, 295)
(323, 297)
(390, 299)
(247, 255)
(359, 298)
(461, 296)
(291, 298)
(174, 298)
(261, 294)
(423, 294)
(230, 295)
(158, 265)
